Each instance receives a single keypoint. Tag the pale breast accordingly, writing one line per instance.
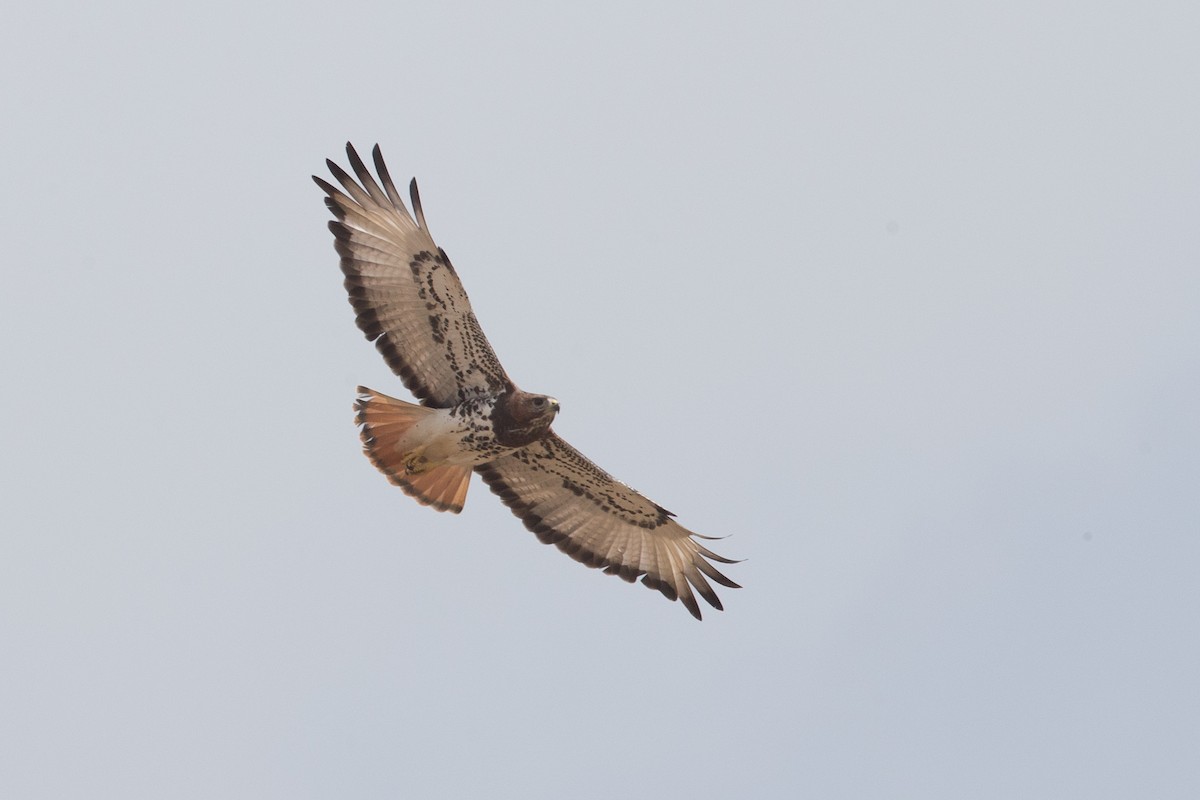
(461, 434)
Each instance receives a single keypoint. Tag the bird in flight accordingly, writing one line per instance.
(472, 417)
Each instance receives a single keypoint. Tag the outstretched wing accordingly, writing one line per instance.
(591, 516)
(407, 295)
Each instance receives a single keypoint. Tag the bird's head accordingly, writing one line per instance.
(520, 418)
(529, 408)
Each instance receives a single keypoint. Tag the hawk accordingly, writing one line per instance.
(472, 417)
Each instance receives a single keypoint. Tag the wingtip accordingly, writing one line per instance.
(415, 195)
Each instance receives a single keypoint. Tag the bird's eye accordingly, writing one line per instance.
(539, 401)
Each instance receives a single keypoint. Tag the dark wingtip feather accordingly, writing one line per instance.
(388, 185)
(704, 551)
(715, 574)
(325, 185)
(355, 161)
(337, 171)
(705, 590)
(416, 203)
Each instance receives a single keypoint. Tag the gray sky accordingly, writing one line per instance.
(903, 298)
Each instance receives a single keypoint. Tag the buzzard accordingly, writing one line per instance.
(471, 416)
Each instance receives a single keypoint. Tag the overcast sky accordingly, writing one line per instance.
(904, 299)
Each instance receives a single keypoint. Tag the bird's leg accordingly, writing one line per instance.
(415, 462)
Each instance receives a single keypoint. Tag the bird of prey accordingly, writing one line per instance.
(410, 302)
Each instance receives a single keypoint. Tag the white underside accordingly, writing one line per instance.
(438, 437)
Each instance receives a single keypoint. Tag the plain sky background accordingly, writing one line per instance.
(903, 298)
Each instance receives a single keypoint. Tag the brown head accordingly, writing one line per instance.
(520, 418)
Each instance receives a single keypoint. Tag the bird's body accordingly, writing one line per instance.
(430, 452)
(472, 417)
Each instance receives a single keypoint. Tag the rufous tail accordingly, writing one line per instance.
(384, 421)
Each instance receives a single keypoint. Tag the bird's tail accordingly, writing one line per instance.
(384, 426)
